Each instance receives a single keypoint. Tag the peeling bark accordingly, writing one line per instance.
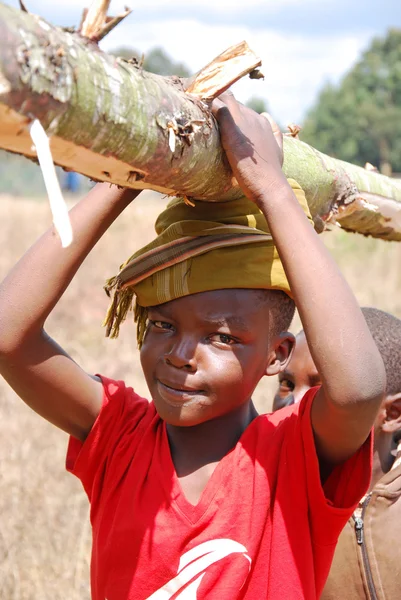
(112, 121)
(357, 199)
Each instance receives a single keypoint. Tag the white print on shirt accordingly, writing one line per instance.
(194, 563)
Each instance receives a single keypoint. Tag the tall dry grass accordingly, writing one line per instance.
(44, 530)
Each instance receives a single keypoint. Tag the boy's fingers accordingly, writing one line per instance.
(224, 118)
(231, 102)
(227, 97)
(272, 122)
(222, 112)
(216, 105)
(278, 134)
(219, 109)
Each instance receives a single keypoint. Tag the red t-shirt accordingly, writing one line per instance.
(263, 528)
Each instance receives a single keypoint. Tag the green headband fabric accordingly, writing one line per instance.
(207, 247)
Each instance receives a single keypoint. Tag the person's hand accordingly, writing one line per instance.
(253, 144)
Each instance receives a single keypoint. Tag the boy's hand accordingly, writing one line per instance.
(253, 144)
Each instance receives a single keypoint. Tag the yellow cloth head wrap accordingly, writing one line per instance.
(210, 246)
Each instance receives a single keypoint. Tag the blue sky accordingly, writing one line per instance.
(302, 43)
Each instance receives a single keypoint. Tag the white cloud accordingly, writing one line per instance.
(229, 5)
(295, 67)
(219, 5)
(186, 6)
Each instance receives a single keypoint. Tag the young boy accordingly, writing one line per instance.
(193, 495)
(299, 375)
(368, 556)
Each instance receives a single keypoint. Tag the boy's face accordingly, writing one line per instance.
(301, 374)
(298, 377)
(204, 354)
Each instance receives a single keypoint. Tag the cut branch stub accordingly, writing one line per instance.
(214, 79)
(96, 24)
(111, 23)
(95, 18)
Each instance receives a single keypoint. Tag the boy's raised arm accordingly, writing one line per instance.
(40, 372)
(344, 352)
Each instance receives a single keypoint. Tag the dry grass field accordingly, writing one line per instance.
(44, 534)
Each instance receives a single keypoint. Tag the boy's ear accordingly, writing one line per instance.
(280, 353)
(392, 418)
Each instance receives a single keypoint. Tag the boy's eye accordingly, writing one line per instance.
(223, 338)
(160, 324)
(286, 385)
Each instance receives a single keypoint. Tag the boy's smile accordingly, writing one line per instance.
(177, 394)
(204, 354)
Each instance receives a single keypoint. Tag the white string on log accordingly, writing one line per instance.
(61, 218)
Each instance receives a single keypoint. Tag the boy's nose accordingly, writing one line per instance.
(182, 356)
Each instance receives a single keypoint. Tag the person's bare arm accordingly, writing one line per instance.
(39, 371)
(352, 371)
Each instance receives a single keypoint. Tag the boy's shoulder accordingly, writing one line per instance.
(291, 425)
(278, 416)
(293, 410)
(122, 407)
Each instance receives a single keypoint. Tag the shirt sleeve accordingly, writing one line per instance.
(122, 416)
(331, 504)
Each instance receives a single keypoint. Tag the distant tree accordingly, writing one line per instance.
(360, 119)
(156, 61)
(257, 104)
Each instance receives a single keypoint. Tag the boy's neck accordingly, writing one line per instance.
(193, 447)
(383, 457)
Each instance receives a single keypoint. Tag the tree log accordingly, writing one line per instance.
(112, 121)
